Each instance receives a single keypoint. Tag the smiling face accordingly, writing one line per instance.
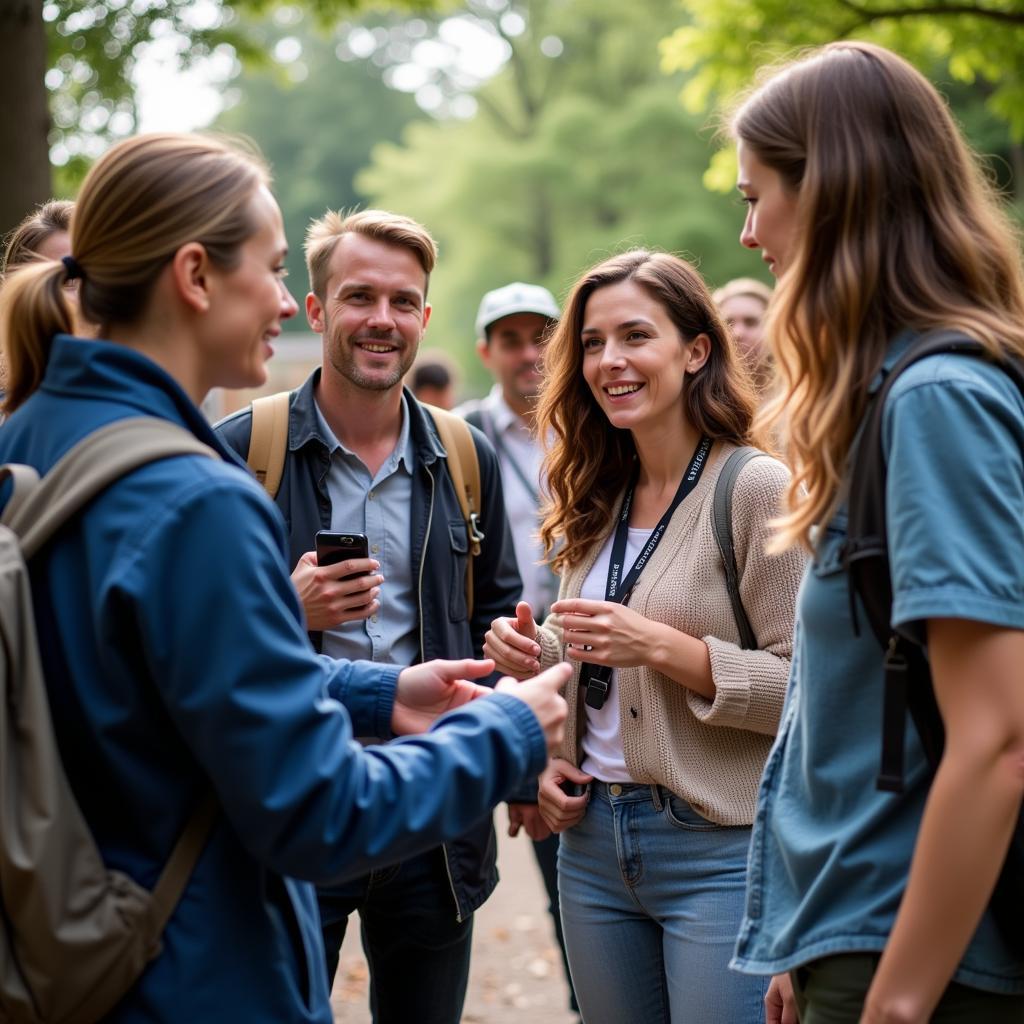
(374, 312)
(634, 358)
(248, 303)
(771, 210)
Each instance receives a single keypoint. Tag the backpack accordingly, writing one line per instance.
(74, 935)
(268, 447)
(907, 685)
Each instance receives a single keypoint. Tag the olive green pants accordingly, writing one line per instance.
(832, 991)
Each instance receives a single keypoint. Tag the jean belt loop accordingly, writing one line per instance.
(656, 796)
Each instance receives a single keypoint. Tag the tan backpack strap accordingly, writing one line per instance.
(464, 469)
(268, 440)
(184, 857)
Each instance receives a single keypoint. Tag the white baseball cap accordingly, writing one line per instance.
(515, 298)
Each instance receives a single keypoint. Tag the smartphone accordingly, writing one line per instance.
(332, 548)
(570, 788)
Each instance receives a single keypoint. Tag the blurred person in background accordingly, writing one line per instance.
(433, 379)
(743, 303)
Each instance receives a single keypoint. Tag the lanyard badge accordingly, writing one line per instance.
(596, 679)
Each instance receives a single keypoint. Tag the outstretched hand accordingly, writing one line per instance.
(427, 691)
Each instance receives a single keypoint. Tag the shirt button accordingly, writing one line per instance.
(615, 789)
(371, 495)
(375, 548)
(373, 618)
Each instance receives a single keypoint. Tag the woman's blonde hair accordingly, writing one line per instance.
(24, 242)
(588, 461)
(897, 227)
(141, 201)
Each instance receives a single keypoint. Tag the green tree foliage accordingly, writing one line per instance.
(315, 120)
(78, 57)
(568, 159)
(973, 50)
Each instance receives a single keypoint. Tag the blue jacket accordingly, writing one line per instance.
(439, 548)
(176, 659)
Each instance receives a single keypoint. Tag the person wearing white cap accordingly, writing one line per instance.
(511, 326)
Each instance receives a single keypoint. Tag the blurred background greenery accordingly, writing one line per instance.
(531, 137)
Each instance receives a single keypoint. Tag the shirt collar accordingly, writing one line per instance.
(402, 454)
(502, 414)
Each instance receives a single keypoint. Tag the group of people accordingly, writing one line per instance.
(697, 718)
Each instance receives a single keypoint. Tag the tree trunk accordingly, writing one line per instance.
(24, 117)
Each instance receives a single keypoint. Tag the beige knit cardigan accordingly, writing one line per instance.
(710, 753)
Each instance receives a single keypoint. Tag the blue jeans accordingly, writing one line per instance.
(417, 952)
(652, 896)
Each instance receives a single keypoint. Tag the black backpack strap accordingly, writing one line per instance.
(866, 561)
(722, 522)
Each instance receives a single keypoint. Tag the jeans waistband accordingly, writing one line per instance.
(631, 792)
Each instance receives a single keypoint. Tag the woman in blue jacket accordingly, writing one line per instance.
(173, 643)
(879, 225)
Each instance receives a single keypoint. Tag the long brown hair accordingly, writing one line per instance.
(897, 227)
(141, 201)
(587, 459)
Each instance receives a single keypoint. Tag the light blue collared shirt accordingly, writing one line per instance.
(378, 506)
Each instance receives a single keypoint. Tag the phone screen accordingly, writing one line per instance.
(332, 548)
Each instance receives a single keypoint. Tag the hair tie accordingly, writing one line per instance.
(73, 267)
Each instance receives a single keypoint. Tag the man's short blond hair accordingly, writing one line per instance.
(392, 228)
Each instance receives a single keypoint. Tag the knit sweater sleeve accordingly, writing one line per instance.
(750, 685)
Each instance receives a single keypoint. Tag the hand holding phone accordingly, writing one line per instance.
(329, 601)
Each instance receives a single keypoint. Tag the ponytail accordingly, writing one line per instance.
(33, 308)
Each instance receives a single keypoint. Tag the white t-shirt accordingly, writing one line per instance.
(603, 756)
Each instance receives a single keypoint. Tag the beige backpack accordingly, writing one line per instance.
(268, 446)
(75, 935)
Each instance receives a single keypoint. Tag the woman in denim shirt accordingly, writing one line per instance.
(873, 214)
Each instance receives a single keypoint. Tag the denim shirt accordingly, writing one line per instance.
(830, 853)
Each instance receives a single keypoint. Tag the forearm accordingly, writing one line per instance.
(681, 657)
(965, 832)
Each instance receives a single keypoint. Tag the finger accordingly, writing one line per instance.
(574, 774)
(556, 677)
(358, 586)
(350, 567)
(578, 606)
(466, 668)
(524, 620)
(506, 630)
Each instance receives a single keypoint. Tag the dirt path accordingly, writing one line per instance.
(516, 974)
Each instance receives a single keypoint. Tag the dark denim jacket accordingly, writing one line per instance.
(439, 548)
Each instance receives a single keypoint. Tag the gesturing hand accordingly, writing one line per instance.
(327, 599)
(604, 632)
(427, 691)
(512, 643)
(527, 816)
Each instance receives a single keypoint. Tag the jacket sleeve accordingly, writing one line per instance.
(497, 586)
(750, 685)
(257, 708)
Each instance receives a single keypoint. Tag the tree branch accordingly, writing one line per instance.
(866, 16)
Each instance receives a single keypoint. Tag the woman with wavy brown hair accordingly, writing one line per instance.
(881, 227)
(670, 720)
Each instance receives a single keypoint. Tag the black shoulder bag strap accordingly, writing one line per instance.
(722, 523)
(907, 675)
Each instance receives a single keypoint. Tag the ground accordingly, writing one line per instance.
(516, 973)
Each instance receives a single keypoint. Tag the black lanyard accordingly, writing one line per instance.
(597, 678)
